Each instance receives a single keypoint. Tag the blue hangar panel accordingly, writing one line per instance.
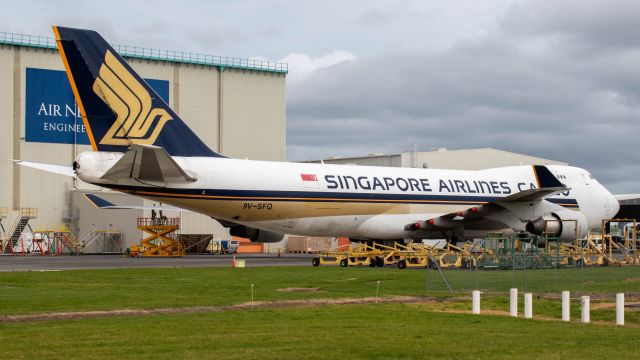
(51, 112)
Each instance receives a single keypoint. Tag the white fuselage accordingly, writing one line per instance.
(344, 200)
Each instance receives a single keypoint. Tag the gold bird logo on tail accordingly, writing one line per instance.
(131, 102)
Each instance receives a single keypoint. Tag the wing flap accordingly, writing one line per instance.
(548, 185)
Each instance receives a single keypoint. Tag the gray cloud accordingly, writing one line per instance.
(583, 24)
(556, 79)
(520, 88)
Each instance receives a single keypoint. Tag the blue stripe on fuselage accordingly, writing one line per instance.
(316, 196)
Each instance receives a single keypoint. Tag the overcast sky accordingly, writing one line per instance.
(557, 79)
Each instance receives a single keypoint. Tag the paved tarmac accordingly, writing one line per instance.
(54, 263)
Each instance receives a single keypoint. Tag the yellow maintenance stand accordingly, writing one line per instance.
(162, 240)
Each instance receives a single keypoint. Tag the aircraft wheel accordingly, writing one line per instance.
(464, 264)
(315, 261)
(344, 263)
(402, 264)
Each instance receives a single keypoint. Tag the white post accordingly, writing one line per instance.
(475, 307)
(252, 285)
(566, 296)
(528, 306)
(585, 309)
(513, 302)
(620, 309)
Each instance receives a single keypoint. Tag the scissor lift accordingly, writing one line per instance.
(162, 240)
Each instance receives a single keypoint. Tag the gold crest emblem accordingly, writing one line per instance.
(120, 90)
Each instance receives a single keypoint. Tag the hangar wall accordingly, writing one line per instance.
(470, 159)
(237, 107)
(462, 159)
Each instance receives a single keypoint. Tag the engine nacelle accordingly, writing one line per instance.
(565, 229)
(255, 235)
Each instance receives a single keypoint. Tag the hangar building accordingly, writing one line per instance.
(463, 159)
(236, 106)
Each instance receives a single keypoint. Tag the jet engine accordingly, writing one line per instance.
(255, 235)
(561, 224)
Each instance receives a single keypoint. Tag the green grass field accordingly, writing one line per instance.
(439, 324)
(383, 331)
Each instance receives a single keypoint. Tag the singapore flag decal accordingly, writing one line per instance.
(310, 181)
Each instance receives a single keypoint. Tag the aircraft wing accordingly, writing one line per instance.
(56, 169)
(105, 204)
(548, 185)
(148, 163)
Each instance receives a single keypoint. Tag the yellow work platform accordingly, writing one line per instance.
(162, 240)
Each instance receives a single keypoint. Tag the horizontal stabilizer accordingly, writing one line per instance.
(148, 163)
(101, 203)
(56, 169)
(98, 201)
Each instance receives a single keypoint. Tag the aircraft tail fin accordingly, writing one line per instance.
(118, 107)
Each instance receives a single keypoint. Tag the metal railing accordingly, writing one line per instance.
(157, 54)
(27, 40)
(159, 221)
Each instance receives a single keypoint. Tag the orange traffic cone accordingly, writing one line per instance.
(233, 261)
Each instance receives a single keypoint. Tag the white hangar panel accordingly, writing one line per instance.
(6, 119)
(196, 101)
(253, 110)
(388, 160)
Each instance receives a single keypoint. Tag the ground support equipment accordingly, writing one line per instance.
(161, 242)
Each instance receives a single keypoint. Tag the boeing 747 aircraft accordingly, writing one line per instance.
(143, 148)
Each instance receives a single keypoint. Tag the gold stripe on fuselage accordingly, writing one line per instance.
(282, 210)
(257, 209)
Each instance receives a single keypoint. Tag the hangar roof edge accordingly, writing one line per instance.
(135, 52)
